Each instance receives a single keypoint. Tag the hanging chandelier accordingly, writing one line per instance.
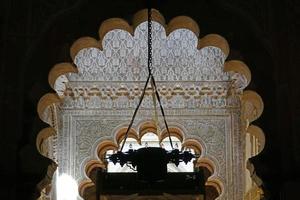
(150, 162)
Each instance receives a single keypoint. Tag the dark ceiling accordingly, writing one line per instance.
(36, 34)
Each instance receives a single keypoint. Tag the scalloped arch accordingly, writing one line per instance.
(183, 22)
(146, 127)
(46, 181)
(253, 174)
(174, 131)
(214, 40)
(216, 183)
(59, 70)
(104, 146)
(207, 163)
(252, 105)
(142, 16)
(238, 67)
(213, 179)
(90, 165)
(193, 144)
(120, 135)
(84, 185)
(249, 97)
(46, 101)
(111, 24)
(43, 135)
(81, 43)
(258, 133)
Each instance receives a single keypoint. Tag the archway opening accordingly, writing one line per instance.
(151, 139)
(211, 192)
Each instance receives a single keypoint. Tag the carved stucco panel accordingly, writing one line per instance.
(218, 129)
(92, 109)
(212, 133)
(89, 132)
(175, 58)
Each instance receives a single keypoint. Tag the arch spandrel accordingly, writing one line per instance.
(199, 92)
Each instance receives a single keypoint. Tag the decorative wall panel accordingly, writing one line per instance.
(201, 97)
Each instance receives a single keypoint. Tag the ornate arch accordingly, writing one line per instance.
(86, 185)
(210, 97)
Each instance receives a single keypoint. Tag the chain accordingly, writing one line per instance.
(152, 81)
(150, 67)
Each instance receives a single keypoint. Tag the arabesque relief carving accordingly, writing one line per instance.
(201, 93)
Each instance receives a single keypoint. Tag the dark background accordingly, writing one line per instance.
(36, 34)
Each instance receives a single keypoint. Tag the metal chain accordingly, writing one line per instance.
(152, 80)
(150, 67)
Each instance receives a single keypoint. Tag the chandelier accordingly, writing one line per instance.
(150, 162)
